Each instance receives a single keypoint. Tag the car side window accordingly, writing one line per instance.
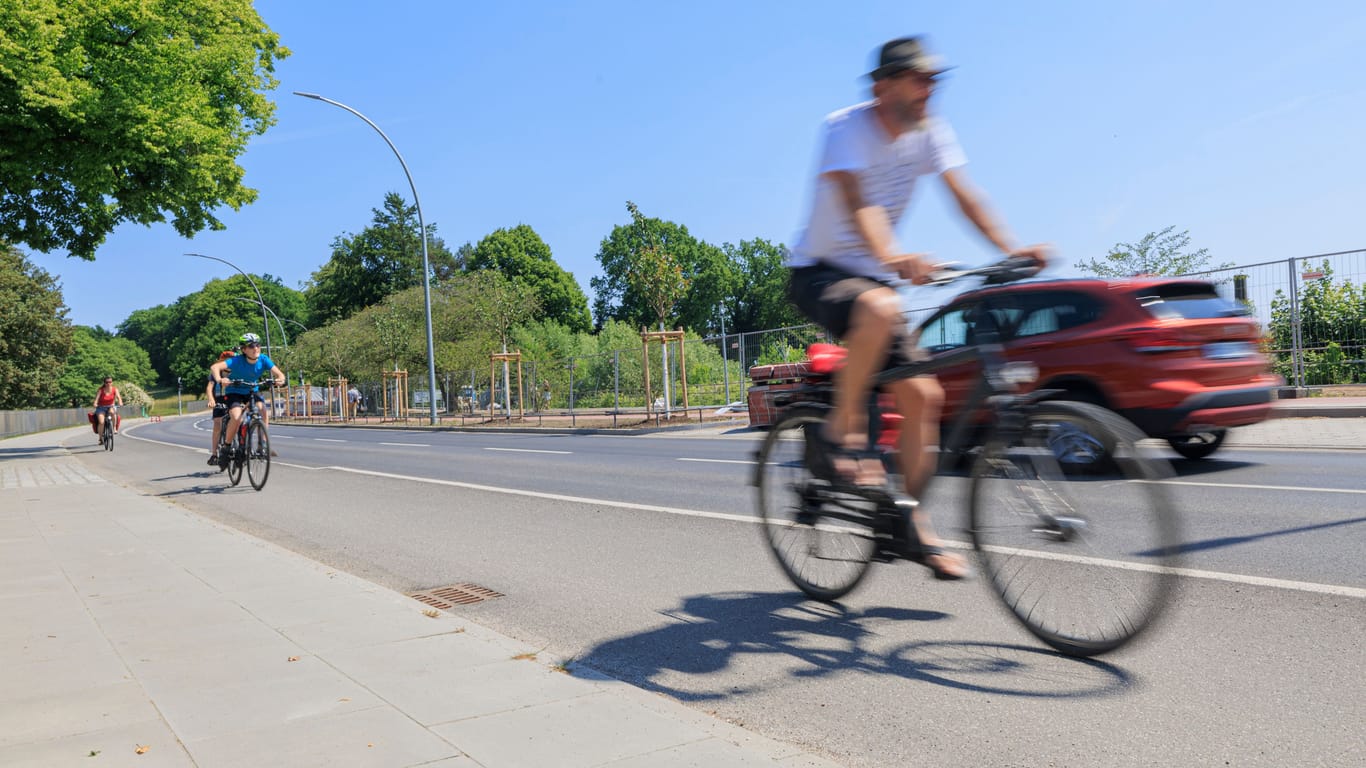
(1052, 311)
(950, 329)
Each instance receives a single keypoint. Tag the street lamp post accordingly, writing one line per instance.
(426, 266)
(281, 325)
(261, 301)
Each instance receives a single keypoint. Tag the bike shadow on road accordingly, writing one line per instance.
(712, 633)
(194, 490)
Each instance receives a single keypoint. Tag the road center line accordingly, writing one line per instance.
(410, 445)
(1252, 487)
(328, 440)
(721, 461)
(1301, 586)
(527, 450)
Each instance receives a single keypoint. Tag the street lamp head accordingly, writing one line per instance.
(308, 95)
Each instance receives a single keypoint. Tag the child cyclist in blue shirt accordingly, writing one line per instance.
(250, 365)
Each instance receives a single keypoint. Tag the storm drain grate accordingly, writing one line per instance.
(458, 594)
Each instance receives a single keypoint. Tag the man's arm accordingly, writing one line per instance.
(277, 375)
(973, 205)
(876, 230)
(217, 371)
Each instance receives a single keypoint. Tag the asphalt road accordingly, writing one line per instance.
(638, 556)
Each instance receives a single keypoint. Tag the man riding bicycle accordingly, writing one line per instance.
(847, 261)
(250, 366)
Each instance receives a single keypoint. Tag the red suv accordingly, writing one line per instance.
(1169, 354)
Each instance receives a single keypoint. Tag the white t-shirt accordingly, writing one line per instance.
(886, 169)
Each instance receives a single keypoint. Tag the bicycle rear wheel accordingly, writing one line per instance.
(236, 460)
(1082, 561)
(823, 539)
(107, 436)
(258, 454)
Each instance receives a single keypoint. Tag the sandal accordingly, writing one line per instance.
(934, 557)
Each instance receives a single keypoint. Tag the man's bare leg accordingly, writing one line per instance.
(870, 331)
(919, 401)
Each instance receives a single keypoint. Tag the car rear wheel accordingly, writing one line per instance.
(1199, 445)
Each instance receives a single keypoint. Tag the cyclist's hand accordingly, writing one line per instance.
(915, 267)
(1038, 253)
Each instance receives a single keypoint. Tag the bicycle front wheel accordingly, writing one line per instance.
(258, 454)
(822, 539)
(1082, 561)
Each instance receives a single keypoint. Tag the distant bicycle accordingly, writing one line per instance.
(107, 434)
(250, 447)
(1083, 561)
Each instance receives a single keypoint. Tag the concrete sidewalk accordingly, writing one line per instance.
(136, 633)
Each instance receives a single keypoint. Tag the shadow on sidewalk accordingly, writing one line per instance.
(715, 632)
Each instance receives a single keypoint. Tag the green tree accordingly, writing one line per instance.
(705, 267)
(117, 111)
(1157, 253)
(759, 301)
(35, 335)
(151, 329)
(95, 355)
(383, 258)
(524, 257)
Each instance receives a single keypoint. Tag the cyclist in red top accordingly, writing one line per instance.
(106, 397)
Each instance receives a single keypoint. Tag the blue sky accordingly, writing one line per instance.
(1086, 124)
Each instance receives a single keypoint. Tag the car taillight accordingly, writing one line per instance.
(1156, 340)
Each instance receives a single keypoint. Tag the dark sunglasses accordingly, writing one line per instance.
(250, 346)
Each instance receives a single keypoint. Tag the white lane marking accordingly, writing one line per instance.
(410, 445)
(328, 440)
(1301, 586)
(527, 450)
(1250, 486)
(282, 437)
(1261, 581)
(721, 461)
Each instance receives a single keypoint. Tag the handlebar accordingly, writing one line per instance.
(1005, 271)
(258, 384)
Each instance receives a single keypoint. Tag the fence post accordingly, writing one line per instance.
(616, 384)
(573, 421)
(1297, 339)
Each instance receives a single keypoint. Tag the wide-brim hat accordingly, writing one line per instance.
(907, 54)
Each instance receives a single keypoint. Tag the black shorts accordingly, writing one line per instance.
(826, 295)
(234, 400)
(220, 407)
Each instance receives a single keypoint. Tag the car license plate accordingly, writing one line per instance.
(1229, 350)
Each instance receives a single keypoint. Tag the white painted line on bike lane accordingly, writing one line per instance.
(410, 445)
(328, 440)
(721, 461)
(1301, 586)
(1252, 487)
(527, 450)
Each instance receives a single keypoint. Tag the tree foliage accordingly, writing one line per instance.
(383, 258)
(127, 110)
(759, 300)
(97, 354)
(1157, 253)
(35, 335)
(524, 257)
(709, 274)
(185, 338)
